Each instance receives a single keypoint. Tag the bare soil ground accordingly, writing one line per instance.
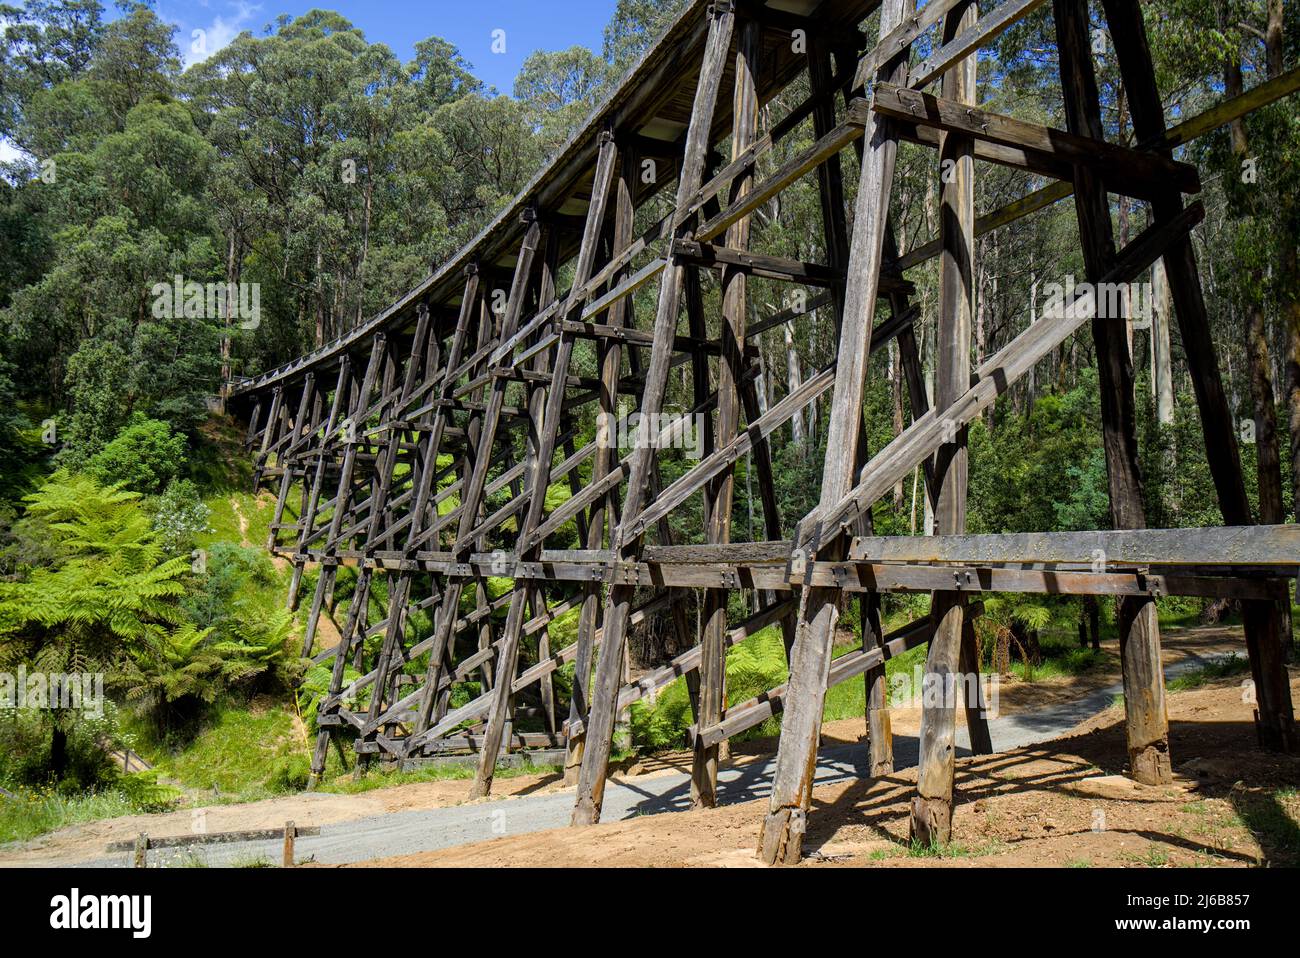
(1065, 803)
(1033, 795)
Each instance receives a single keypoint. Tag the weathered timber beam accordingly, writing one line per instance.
(1183, 133)
(794, 168)
(939, 113)
(677, 493)
(1255, 546)
(1006, 215)
(995, 377)
(1003, 16)
(762, 707)
(478, 707)
(900, 38)
(689, 661)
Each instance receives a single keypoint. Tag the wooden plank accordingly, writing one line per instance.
(216, 838)
(1253, 546)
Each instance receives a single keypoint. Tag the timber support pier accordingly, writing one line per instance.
(455, 453)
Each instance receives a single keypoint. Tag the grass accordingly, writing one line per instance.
(919, 849)
(37, 812)
(350, 785)
(1210, 672)
(1273, 818)
(1153, 857)
(252, 861)
(241, 755)
(1062, 658)
(224, 519)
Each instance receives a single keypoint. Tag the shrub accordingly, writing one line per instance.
(144, 457)
(179, 516)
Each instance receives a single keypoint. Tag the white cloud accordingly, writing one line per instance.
(10, 153)
(199, 43)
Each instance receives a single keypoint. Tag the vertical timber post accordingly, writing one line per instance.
(931, 819)
(609, 668)
(604, 510)
(542, 463)
(713, 658)
(781, 839)
(1139, 627)
(472, 491)
(1264, 634)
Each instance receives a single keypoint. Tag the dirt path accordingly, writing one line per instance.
(1064, 803)
(243, 521)
(1181, 649)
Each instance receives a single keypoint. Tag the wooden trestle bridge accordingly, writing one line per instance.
(420, 447)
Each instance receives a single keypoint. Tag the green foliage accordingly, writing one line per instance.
(1227, 667)
(1055, 449)
(144, 457)
(233, 641)
(39, 811)
(753, 667)
(25, 750)
(179, 516)
(110, 591)
(97, 381)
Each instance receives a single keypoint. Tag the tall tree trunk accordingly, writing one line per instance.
(792, 373)
(896, 389)
(232, 277)
(365, 245)
(1031, 378)
(320, 300)
(1162, 316)
(58, 749)
(1260, 365)
(1290, 282)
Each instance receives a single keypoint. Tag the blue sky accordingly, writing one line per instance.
(529, 25)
